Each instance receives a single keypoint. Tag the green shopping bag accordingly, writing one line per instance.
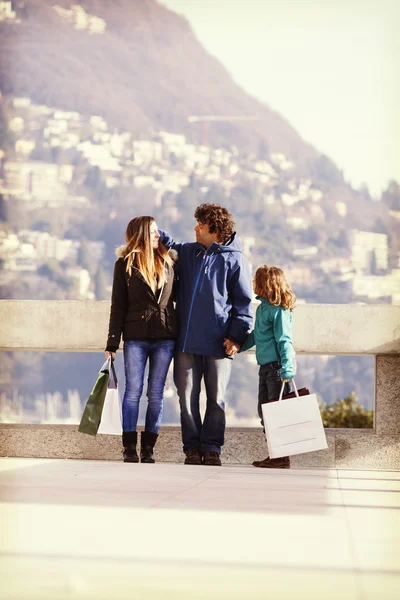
(91, 417)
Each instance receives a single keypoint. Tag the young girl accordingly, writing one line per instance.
(142, 311)
(272, 336)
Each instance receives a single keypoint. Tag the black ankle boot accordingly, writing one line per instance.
(129, 441)
(148, 440)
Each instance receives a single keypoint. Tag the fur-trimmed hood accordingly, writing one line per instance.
(120, 253)
(173, 254)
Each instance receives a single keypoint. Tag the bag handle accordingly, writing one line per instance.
(282, 388)
(109, 366)
(113, 372)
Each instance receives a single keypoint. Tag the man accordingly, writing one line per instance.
(214, 310)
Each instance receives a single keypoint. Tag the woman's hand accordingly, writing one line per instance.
(285, 380)
(109, 354)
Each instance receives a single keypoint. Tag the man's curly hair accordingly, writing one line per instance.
(218, 219)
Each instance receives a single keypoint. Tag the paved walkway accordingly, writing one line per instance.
(109, 530)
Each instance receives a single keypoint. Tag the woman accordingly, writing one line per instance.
(142, 310)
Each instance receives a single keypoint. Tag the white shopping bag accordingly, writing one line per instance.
(111, 417)
(293, 425)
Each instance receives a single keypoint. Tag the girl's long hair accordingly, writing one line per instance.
(139, 253)
(271, 283)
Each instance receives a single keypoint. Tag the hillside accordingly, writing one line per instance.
(146, 71)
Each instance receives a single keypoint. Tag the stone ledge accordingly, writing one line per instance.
(363, 451)
(356, 448)
(387, 395)
(81, 326)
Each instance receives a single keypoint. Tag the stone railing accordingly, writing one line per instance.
(68, 326)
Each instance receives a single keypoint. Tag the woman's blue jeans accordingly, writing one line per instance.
(136, 353)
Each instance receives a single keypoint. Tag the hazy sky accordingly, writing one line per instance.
(330, 67)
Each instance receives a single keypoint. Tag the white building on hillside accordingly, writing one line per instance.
(364, 245)
(7, 13)
(81, 19)
(375, 286)
(173, 140)
(146, 151)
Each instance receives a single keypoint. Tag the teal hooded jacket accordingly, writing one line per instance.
(272, 336)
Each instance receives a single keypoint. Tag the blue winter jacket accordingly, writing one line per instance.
(213, 295)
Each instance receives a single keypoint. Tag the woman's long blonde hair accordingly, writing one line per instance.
(139, 253)
(271, 283)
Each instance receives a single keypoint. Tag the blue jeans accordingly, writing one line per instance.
(189, 369)
(136, 353)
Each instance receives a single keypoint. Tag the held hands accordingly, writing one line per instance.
(231, 348)
(108, 354)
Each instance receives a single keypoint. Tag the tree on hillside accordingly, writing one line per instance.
(93, 178)
(85, 259)
(263, 150)
(41, 225)
(7, 137)
(373, 265)
(100, 285)
(364, 192)
(3, 209)
(324, 169)
(186, 202)
(380, 226)
(341, 374)
(347, 413)
(53, 271)
(391, 196)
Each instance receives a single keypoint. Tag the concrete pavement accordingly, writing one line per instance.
(101, 529)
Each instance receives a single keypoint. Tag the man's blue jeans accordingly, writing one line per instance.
(136, 354)
(189, 369)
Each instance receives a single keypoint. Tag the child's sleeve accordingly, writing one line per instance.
(248, 343)
(283, 338)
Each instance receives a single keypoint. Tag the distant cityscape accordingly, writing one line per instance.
(152, 163)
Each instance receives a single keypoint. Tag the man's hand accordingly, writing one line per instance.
(108, 354)
(231, 348)
(285, 380)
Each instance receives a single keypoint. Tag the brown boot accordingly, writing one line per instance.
(273, 463)
(193, 457)
(211, 458)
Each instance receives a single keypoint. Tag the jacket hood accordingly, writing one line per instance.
(120, 252)
(232, 245)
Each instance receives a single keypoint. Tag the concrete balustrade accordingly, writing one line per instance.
(81, 326)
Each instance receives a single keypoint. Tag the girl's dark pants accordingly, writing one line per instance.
(269, 385)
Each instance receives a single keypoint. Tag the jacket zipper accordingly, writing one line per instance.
(202, 279)
(161, 291)
(192, 302)
(145, 282)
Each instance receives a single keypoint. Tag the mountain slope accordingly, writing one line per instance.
(147, 71)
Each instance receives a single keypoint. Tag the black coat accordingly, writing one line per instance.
(136, 312)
